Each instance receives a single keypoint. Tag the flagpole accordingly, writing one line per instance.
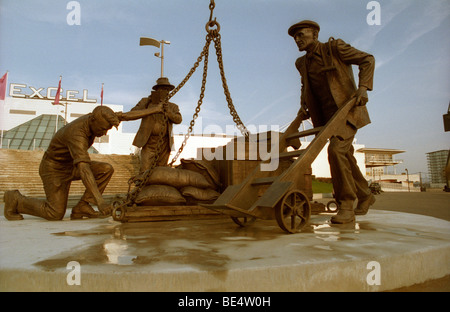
(3, 108)
(65, 113)
(101, 104)
(56, 120)
(57, 103)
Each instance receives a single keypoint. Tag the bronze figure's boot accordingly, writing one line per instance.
(10, 198)
(363, 205)
(17, 204)
(83, 210)
(345, 214)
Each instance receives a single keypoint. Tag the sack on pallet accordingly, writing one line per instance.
(203, 167)
(177, 178)
(194, 194)
(159, 195)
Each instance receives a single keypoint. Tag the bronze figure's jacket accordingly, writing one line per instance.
(339, 56)
(151, 125)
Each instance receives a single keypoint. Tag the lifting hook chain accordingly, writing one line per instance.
(212, 35)
(212, 23)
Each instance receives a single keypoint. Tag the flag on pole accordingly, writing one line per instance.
(3, 83)
(101, 95)
(56, 102)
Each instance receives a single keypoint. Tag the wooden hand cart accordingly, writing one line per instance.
(287, 197)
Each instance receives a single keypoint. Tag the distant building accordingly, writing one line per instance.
(379, 160)
(380, 164)
(437, 161)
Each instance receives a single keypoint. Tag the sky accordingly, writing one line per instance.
(411, 46)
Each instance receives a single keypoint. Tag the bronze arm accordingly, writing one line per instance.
(138, 114)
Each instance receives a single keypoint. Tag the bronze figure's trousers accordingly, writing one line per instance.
(148, 153)
(57, 193)
(348, 182)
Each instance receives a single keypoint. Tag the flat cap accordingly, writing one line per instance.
(303, 24)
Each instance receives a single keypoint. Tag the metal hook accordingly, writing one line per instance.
(212, 5)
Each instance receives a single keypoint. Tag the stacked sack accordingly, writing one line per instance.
(193, 182)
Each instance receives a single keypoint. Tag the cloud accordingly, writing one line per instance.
(270, 106)
(388, 13)
(402, 23)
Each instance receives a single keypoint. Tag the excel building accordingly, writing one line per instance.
(29, 118)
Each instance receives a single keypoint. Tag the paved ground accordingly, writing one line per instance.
(433, 204)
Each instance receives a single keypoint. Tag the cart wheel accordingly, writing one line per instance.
(243, 221)
(332, 206)
(293, 212)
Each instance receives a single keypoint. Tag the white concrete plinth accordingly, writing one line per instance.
(217, 255)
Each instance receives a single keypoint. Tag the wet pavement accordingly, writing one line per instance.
(217, 255)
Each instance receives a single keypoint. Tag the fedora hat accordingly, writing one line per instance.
(163, 82)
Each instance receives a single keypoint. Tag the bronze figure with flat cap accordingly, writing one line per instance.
(327, 83)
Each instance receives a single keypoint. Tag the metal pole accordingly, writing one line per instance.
(65, 114)
(162, 58)
(57, 106)
(407, 178)
(56, 122)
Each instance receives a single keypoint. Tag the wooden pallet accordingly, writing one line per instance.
(163, 213)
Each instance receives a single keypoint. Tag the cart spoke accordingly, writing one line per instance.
(301, 217)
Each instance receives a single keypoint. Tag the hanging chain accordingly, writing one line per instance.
(214, 32)
(212, 35)
(237, 120)
(204, 53)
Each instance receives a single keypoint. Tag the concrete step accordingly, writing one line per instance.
(19, 169)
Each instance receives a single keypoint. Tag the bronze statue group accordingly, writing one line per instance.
(327, 83)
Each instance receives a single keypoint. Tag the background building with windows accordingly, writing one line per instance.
(380, 161)
(437, 162)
